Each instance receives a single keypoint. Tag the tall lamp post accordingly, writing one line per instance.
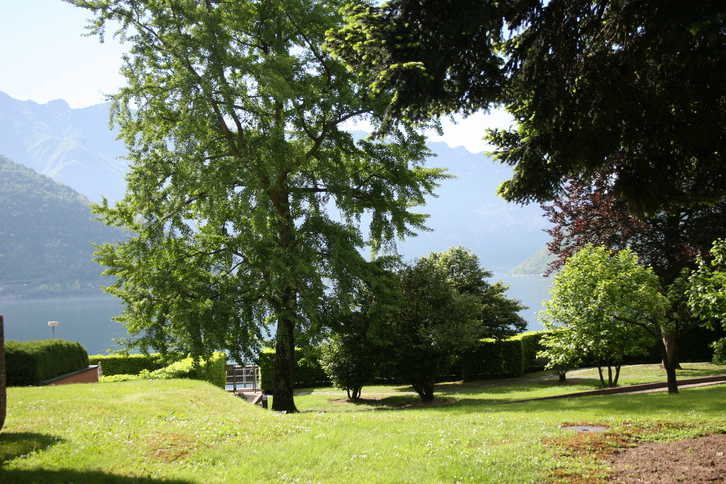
(52, 325)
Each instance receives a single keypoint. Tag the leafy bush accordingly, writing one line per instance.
(130, 364)
(349, 363)
(213, 370)
(719, 351)
(33, 362)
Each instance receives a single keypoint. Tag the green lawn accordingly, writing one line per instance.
(190, 431)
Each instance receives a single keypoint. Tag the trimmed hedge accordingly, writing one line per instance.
(33, 362)
(308, 372)
(213, 370)
(530, 346)
(491, 359)
(128, 364)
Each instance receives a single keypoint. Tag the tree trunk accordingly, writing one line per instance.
(3, 380)
(602, 380)
(670, 358)
(563, 377)
(425, 390)
(617, 375)
(610, 376)
(282, 396)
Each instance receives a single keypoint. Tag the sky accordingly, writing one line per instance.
(45, 56)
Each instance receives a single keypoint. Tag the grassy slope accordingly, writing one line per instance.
(190, 431)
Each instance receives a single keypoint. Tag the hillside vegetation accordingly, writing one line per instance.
(46, 235)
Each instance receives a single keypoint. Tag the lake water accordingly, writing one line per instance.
(88, 320)
(83, 319)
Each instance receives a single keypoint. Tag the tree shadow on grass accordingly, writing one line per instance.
(65, 476)
(14, 445)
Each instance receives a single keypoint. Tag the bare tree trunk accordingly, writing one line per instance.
(617, 375)
(602, 380)
(563, 377)
(3, 380)
(610, 376)
(282, 396)
(425, 390)
(670, 358)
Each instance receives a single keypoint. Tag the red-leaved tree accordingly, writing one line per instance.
(589, 212)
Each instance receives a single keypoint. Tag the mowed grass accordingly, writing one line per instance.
(190, 431)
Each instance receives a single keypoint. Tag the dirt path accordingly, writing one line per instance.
(694, 461)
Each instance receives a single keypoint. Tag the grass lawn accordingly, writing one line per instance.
(190, 431)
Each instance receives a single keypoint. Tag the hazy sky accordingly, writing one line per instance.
(45, 56)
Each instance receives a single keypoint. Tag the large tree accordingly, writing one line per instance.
(434, 324)
(609, 306)
(669, 242)
(498, 314)
(632, 88)
(244, 193)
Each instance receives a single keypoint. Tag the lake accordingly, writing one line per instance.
(88, 319)
(84, 319)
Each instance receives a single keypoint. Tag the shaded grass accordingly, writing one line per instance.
(190, 431)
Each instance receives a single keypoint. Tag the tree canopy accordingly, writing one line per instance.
(610, 306)
(498, 314)
(245, 195)
(632, 89)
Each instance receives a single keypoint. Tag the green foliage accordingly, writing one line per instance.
(707, 287)
(531, 346)
(129, 364)
(610, 305)
(498, 314)
(719, 351)
(435, 324)
(213, 370)
(245, 193)
(349, 364)
(308, 371)
(52, 254)
(643, 79)
(493, 359)
(33, 362)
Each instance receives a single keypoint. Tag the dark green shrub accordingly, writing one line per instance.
(349, 363)
(33, 362)
(129, 364)
(308, 372)
(531, 345)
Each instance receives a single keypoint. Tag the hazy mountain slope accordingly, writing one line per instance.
(534, 265)
(46, 232)
(73, 146)
(468, 212)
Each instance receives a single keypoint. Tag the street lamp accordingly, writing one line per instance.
(52, 325)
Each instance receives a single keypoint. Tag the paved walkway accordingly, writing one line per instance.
(643, 388)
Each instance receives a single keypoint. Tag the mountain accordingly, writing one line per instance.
(466, 211)
(46, 236)
(75, 147)
(534, 265)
